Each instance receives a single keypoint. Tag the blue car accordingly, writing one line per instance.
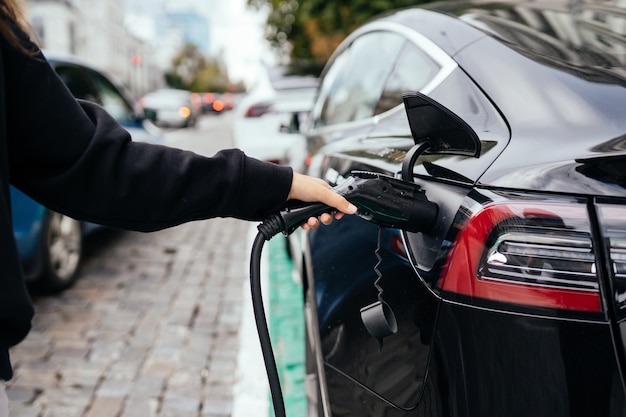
(51, 244)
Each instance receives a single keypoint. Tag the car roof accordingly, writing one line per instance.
(58, 57)
(525, 53)
(576, 33)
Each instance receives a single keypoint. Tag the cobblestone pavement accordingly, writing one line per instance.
(150, 329)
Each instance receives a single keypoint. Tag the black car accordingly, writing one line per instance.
(510, 117)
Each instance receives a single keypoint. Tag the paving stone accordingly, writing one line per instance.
(114, 389)
(81, 374)
(63, 398)
(217, 409)
(180, 405)
(22, 395)
(105, 407)
(23, 410)
(148, 386)
(140, 407)
(55, 410)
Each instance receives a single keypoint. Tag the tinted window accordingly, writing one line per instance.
(413, 71)
(352, 86)
(89, 85)
(79, 83)
(112, 100)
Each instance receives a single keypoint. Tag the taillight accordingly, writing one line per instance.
(526, 253)
(218, 105)
(208, 98)
(258, 110)
(613, 225)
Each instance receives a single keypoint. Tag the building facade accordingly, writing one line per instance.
(95, 31)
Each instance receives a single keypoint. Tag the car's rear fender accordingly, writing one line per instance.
(28, 217)
(554, 287)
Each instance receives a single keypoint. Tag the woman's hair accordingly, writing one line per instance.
(11, 15)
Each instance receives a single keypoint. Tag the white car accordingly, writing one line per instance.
(171, 107)
(269, 120)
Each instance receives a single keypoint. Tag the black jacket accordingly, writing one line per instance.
(72, 157)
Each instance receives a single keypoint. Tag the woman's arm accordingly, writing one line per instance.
(74, 158)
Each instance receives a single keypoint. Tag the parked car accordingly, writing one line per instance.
(171, 107)
(228, 99)
(510, 117)
(216, 103)
(269, 120)
(50, 244)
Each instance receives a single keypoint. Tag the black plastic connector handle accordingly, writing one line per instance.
(380, 199)
(391, 202)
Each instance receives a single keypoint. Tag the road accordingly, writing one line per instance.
(152, 326)
(212, 133)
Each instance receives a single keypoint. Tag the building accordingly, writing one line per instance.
(95, 31)
(189, 26)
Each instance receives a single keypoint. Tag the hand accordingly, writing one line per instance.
(310, 189)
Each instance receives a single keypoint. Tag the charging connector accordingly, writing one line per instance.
(380, 199)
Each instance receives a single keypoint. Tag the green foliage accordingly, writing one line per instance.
(192, 71)
(310, 30)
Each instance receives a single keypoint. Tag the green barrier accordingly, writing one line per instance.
(286, 324)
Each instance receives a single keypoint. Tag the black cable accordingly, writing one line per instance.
(379, 275)
(261, 325)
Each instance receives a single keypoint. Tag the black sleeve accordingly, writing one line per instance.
(74, 158)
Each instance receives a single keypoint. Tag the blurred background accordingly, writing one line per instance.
(198, 45)
(201, 45)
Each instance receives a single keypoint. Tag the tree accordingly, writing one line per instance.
(192, 71)
(310, 30)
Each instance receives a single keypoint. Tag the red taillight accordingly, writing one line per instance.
(530, 254)
(208, 98)
(218, 105)
(258, 110)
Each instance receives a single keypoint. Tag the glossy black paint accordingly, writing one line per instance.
(550, 116)
(356, 365)
(525, 366)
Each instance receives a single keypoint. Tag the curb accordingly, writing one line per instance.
(286, 323)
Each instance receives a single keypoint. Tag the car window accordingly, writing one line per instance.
(413, 70)
(353, 84)
(78, 82)
(112, 100)
(86, 84)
